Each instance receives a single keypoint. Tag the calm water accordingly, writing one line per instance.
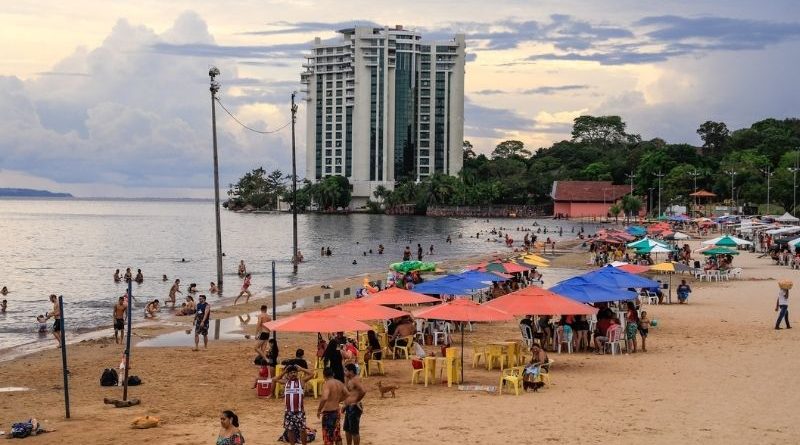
(72, 247)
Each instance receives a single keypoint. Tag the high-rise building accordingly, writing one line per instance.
(384, 105)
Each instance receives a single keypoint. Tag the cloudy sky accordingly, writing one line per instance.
(110, 98)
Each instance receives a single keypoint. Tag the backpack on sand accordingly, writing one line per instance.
(109, 377)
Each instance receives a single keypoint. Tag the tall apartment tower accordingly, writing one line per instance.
(384, 105)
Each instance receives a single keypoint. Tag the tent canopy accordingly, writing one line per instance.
(589, 293)
(615, 278)
(787, 217)
(451, 285)
(538, 301)
(395, 295)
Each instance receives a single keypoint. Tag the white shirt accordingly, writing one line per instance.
(783, 298)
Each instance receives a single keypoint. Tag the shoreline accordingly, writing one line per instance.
(167, 322)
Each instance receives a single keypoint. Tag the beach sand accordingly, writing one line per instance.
(715, 372)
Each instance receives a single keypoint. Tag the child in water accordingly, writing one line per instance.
(42, 324)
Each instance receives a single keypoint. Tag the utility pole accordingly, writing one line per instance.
(794, 171)
(733, 198)
(650, 200)
(630, 176)
(769, 174)
(295, 259)
(212, 73)
(659, 175)
(694, 174)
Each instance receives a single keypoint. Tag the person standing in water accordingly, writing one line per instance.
(242, 269)
(117, 278)
(139, 277)
(128, 275)
(175, 289)
(56, 315)
(120, 311)
(245, 290)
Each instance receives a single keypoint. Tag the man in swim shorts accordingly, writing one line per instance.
(294, 418)
(119, 319)
(333, 393)
(201, 319)
(352, 405)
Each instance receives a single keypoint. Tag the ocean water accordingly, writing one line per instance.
(71, 247)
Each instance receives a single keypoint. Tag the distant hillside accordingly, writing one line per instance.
(30, 193)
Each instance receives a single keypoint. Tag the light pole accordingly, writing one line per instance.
(631, 176)
(694, 174)
(769, 174)
(214, 88)
(650, 200)
(295, 259)
(733, 198)
(794, 171)
(659, 175)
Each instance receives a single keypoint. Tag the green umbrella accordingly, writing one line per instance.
(726, 241)
(720, 251)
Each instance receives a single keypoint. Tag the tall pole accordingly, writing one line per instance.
(650, 200)
(630, 176)
(64, 353)
(794, 178)
(769, 175)
(659, 175)
(274, 313)
(212, 73)
(733, 198)
(694, 174)
(128, 342)
(295, 259)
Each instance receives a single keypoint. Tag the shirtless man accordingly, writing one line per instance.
(117, 278)
(333, 393)
(404, 329)
(262, 333)
(120, 310)
(352, 405)
(56, 315)
(175, 289)
(245, 290)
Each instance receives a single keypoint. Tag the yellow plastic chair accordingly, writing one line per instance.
(406, 350)
(315, 384)
(513, 354)
(453, 366)
(478, 353)
(430, 370)
(496, 353)
(511, 377)
(376, 366)
(417, 373)
(277, 387)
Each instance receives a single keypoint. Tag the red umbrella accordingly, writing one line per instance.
(395, 295)
(364, 310)
(463, 310)
(537, 301)
(316, 321)
(504, 267)
(634, 268)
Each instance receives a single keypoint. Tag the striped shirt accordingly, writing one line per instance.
(293, 395)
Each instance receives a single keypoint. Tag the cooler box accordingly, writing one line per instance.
(264, 388)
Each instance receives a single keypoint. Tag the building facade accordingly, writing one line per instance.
(580, 199)
(384, 105)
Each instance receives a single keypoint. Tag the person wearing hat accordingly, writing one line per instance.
(782, 305)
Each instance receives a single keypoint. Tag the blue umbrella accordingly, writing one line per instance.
(591, 293)
(450, 285)
(476, 275)
(615, 278)
(636, 230)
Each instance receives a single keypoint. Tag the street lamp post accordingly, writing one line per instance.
(733, 197)
(769, 174)
(650, 200)
(659, 175)
(295, 259)
(214, 88)
(631, 176)
(794, 171)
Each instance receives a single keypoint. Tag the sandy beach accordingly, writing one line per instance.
(715, 372)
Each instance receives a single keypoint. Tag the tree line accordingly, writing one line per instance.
(600, 148)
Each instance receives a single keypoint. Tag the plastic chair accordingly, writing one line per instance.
(277, 387)
(615, 340)
(498, 353)
(315, 384)
(416, 373)
(453, 366)
(564, 334)
(376, 366)
(406, 350)
(444, 333)
(511, 377)
(478, 353)
(527, 335)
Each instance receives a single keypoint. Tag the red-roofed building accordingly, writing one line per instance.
(575, 199)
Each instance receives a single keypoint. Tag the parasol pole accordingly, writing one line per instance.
(128, 342)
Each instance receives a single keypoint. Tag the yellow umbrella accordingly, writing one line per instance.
(530, 262)
(534, 257)
(666, 266)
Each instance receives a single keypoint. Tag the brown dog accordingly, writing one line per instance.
(386, 389)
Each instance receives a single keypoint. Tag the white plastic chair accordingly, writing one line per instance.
(443, 332)
(564, 335)
(615, 340)
(527, 335)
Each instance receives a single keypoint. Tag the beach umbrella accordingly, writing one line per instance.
(476, 275)
(505, 267)
(677, 236)
(584, 292)
(451, 285)
(534, 257)
(646, 243)
(654, 249)
(316, 321)
(362, 311)
(719, 251)
(616, 278)
(726, 241)
(538, 301)
(636, 230)
(463, 310)
(670, 267)
(395, 295)
(633, 268)
(534, 263)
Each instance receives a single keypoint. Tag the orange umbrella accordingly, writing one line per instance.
(395, 295)
(364, 310)
(463, 310)
(537, 301)
(316, 321)
(634, 268)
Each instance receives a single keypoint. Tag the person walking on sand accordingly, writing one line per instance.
(245, 291)
(175, 289)
(333, 393)
(782, 305)
(120, 310)
(201, 319)
(352, 405)
(262, 333)
(55, 314)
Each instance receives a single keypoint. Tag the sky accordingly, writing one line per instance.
(109, 98)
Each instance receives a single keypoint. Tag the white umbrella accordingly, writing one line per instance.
(680, 236)
(738, 241)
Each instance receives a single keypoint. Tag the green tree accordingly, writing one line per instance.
(510, 149)
(615, 210)
(715, 137)
(631, 205)
(469, 152)
(601, 130)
